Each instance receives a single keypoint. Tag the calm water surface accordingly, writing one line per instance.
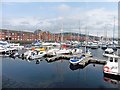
(18, 73)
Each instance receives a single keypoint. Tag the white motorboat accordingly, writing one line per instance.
(2, 49)
(63, 51)
(16, 46)
(94, 46)
(76, 51)
(108, 51)
(50, 44)
(4, 44)
(112, 65)
(13, 46)
(52, 51)
(37, 55)
(28, 53)
(76, 60)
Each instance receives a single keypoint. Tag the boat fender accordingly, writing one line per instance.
(37, 61)
(22, 55)
(106, 69)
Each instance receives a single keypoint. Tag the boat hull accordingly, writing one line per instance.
(103, 48)
(111, 75)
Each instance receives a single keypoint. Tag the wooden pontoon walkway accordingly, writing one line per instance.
(91, 60)
(84, 62)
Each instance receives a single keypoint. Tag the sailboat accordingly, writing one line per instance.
(77, 50)
(104, 44)
(62, 50)
(87, 51)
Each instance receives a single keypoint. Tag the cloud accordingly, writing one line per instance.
(95, 20)
(64, 7)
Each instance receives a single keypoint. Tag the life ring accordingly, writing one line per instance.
(106, 69)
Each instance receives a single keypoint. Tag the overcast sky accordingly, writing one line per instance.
(92, 17)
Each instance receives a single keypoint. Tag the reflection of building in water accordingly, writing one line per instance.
(60, 72)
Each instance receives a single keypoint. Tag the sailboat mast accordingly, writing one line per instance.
(113, 30)
(79, 33)
(62, 33)
(85, 39)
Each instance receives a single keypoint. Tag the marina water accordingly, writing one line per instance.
(18, 73)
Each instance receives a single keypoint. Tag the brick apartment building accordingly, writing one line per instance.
(22, 36)
(16, 35)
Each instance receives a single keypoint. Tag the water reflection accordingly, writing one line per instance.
(75, 67)
(38, 61)
(113, 79)
(51, 61)
(54, 74)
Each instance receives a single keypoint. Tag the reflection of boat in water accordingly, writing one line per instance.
(112, 78)
(75, 67)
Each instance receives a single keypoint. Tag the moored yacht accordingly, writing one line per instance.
(37, 55)
(76, 60)
(108, 51)
(94, 46)
(112, 65)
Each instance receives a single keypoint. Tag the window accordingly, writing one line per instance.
(116, 59)
(111, 59)
(12, 33)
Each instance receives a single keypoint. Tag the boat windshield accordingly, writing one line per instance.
(75, 57)
(111, 59)
(116, 59)
(41, 52)
(81, 56)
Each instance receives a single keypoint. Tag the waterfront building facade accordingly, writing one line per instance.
(23, 36)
